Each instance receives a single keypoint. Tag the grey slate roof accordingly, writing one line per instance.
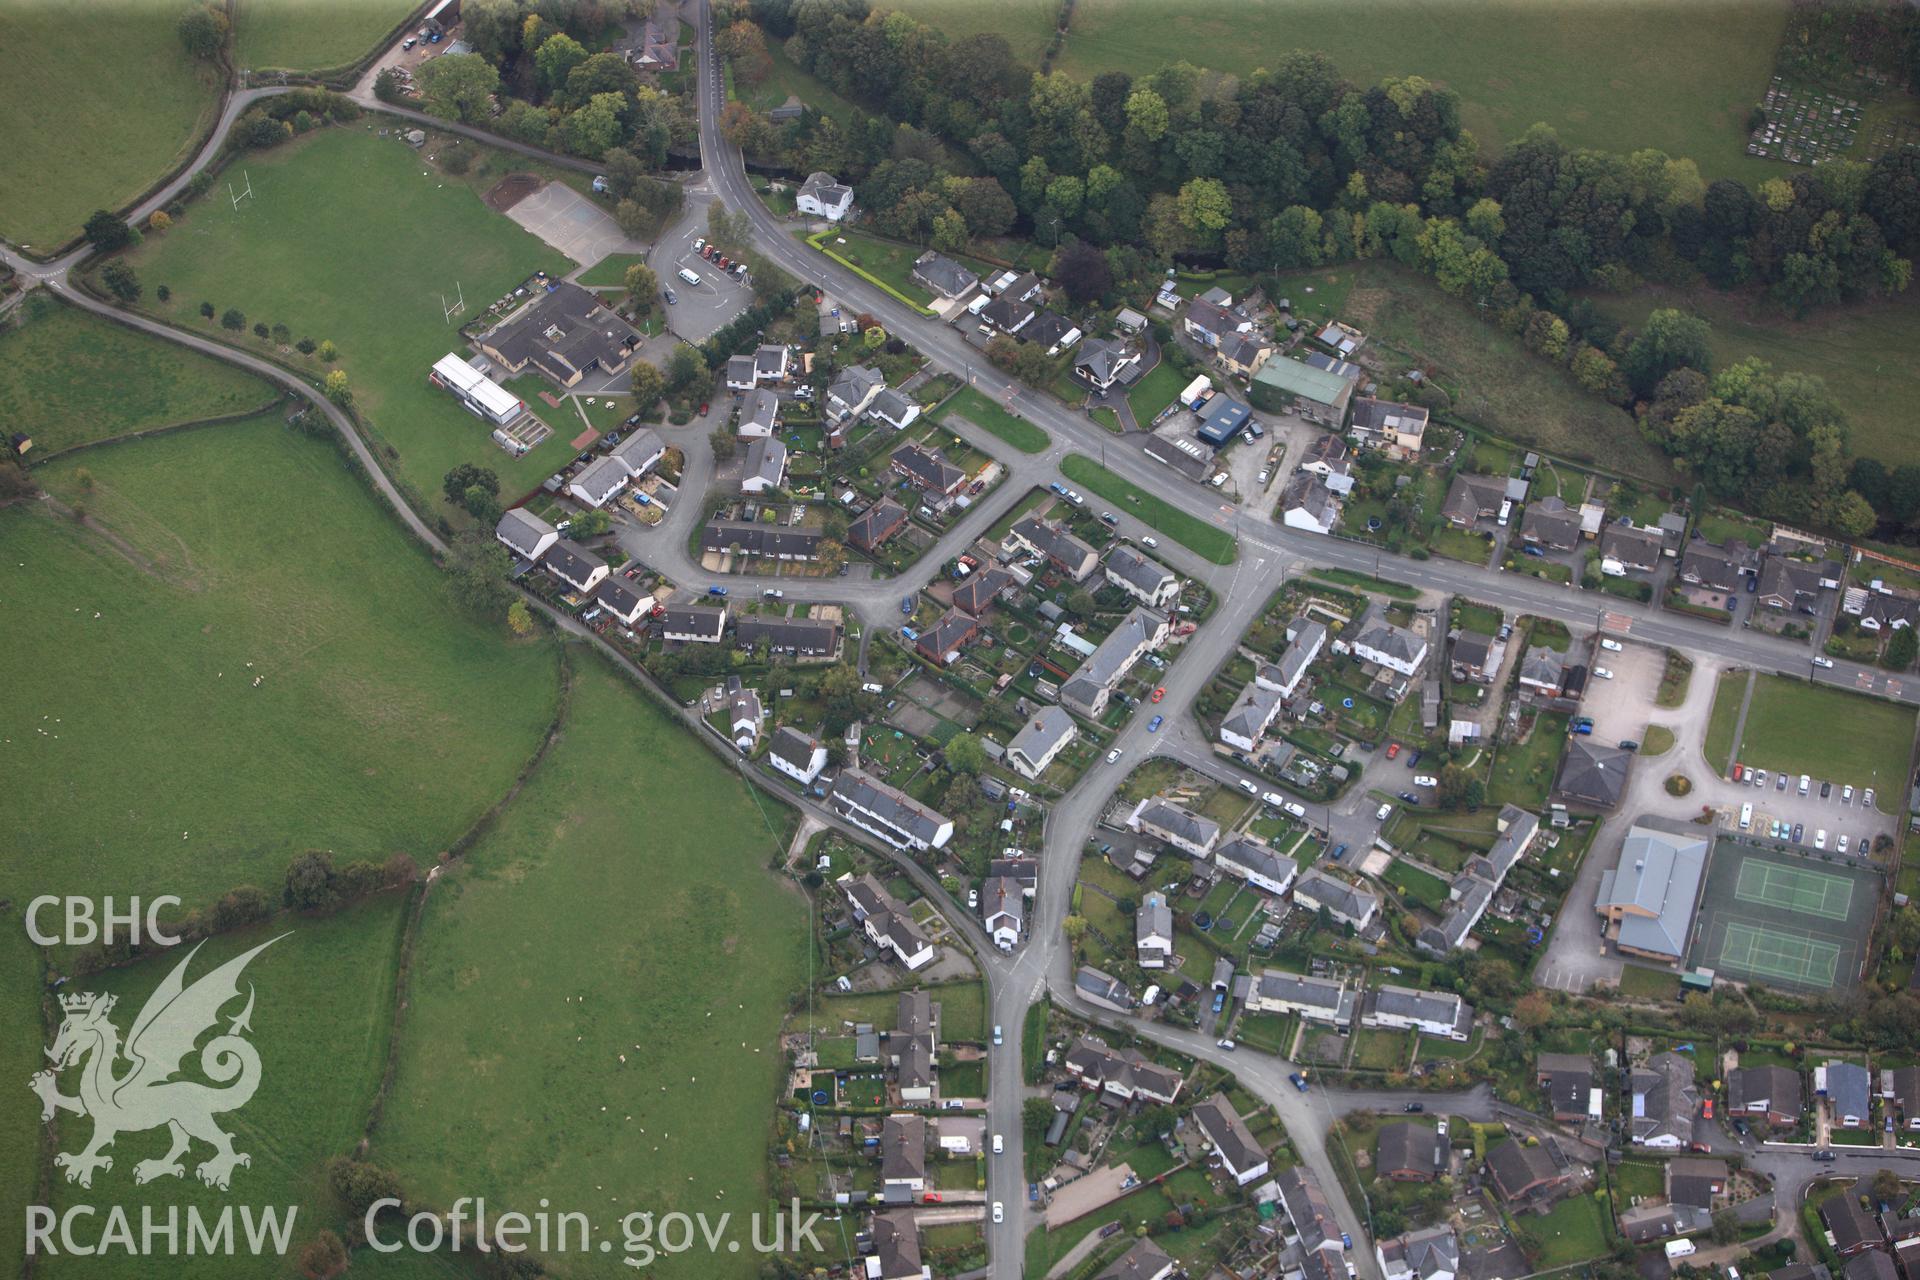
(794, 747)
(1848, 1089)
(1593, 774)
(903, 1147)
(522, 530)
(1519, 1169)
(856, 789)
(794, 637)
(1041, 732)
(1657, 883)
(571, 562)
(693, 620)
(1633, 547)
(1663, 1098)
(943, 275)
(1406, 1146)
(766, 462)
(1100, 357)
(1228, 1133)
(1472, 497)
(760, 539)
(1143, 1260)
(1184, 823)
(1140, 571)
(759, 411)
(1428, 1252)
(927, 469)
(1316, 889)
(876, 524)
(1777, 1087)
(1550, 522)
(1252, 712)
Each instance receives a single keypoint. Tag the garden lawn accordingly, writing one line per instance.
(1156, 391)
(299, 35)
(1523, 774)
(973, 407)
(1421, 887)
(345, 239)
(887, 261)
(98, 109)
(1826, 732)
(1190, 531)
(141, 755)
(1648, 984)
(322, 1014)
(68, 377)
(1571, 1232)
(622, 906)
(1616, 77)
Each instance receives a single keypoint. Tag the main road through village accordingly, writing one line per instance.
(1268, 555)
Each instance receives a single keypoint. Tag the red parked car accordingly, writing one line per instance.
(1393, 750)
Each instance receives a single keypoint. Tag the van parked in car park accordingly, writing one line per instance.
(689, 275)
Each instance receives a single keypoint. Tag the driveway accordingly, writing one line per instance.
(573, 224)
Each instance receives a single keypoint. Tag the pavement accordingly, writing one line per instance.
(573, 224)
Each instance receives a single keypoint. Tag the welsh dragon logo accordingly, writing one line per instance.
(147, 1094)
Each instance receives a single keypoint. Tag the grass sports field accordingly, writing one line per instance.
(142, 758)
(1862, 352)
(1783, 920)
(68, 377)
(1828, 733)
(621, 907)
(323, 1008)
(1618, 77)
(299, 35)
(350, 237)
(95, 116)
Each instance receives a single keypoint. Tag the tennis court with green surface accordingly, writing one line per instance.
(1783, 920)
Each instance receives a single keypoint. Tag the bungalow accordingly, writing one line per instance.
(1251, 715)
(1306, 503)
(1146, 580)
(1695, 1182)
(1017, 286)
(1850, 1228)
(1903, 1091)
(525, 534)
(564, 333)
(1053, 331)
(885, 921)
(1256, 862)
(693, 624)
(1054, 544)
(796, 754)
(1240, 1153)
(896, 1249)
(1796, 586)
(1593, 775)
(1567, 1079)
(851, 391)
(574, 565)
(1242, 354)
(1717, 568)
(1345, 903)
(1397, 429)
(1093, 684)
(1143, 1260)
(890, 814)
(1313, 998)
(744, 714)
(803, 639)
(1552, 524)
(928, 471)
(943, 276)
(772, 541)
(1102, 989)
(1543, 672)
(895, 409)
(1003, 910)
(1153, 932)
(1008, 315)
(765, 469)
(1407, 1152)
(1284, 384)
(1440, 1014)
(1125, 1073)
(1847, 1088)
(1624, 548)
(903, 1153)
(1182, 828)
(622, 603)
(1431, 1253)
(942, 642)
(1042, 737)
(1524, 1174)
(1773, 1094)
(759, 415)
(870, 530)
(1664, 1100)
(1103, 362)
(1472, 499)
(820, 196)
(980, 589)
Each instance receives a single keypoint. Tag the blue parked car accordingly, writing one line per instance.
(906, 605)
(716, 591)
(1339, 852)
(1153, 725)
(1219, 1001)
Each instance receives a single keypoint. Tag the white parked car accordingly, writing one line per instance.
(1846, 794)
(1264, 477)
(1113, 756)
(1295, 809)
(1603, 673)
(1841, 844)
(1611, 646)
(1149, 541)
(1819, 661)
(1249, 788)
(1384, 812)
(999, 1212)
(1425, 780)
(1820, 838)
(1273, 798)
(973, 899)
(999, 1144)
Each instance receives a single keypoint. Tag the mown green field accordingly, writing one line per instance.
(1864, 353)
(623, 906)
(1825, 732)
(140, 755)
(1191, 531)
(1615, 76)
(347, 238)
(322, 1012)
(99, 106)
(299, 35)
(21, 1043)
(69, 377)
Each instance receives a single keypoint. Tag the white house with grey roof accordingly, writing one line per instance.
(1433, 1013)
(800, 756)
(745, 714)
(1102, 989)
(895, 408)
(1003, 910)
(574, 565)
(1474, 887)
(759, 415)
(1239, 1151)
(1256, 862)
(1650, 897)
(1393, 647)
(1102, 362)
(1051, 543)
(1139, 633)
(1431, 1253)
(1182, 828)
(1043, 736)
(943, 275)
(1305, 638)
(1663, 1102)
(597, 482)
(525, 534)
(852, 390)
(1346, 903)
(1251, 715)
(885, 920)
(821, 196)
(1315, 998)
(693, 624)
(1153, 932)
(1146, 580)
(765, 469)
(887, 812)
(622, 601)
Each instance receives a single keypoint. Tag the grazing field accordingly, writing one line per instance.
(1619, 77)
(1829, 733)
(141, 755)
(1864, 353)
(298, 35)
(68, 377)
(322, 1012)
(21, 1042)
(973, 407)
(787, 80)
(621, 907)
(97, 111)
(1190, 531)
(346, 238)
(1493, 381)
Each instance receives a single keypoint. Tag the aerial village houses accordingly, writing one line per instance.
(525, 534)
(851, 392)
(943, 276)
(574, 565)
(565, 333)
(693, 624)
(1433, 1013)
(822, 197)
(1093, 684)
(1430, 1253)
(1003, 910)
(1053, 544)
(1147, 581)
(1143, 1260)
(1102, 362)
(1568, 1081)
(796, 754)
(622, 602)
(1043, 735)
(1664, 1101)
(879, 522)
(1346, 904)
(1772, 1095)
(1474, 888)
(1124, 1073)
(1153, 932)
(1239, 1151)
(1408, 1151)
(890, 814)
(885, 920)
(802, 639)
(1182, 828)
(1314, 998)
(1250, 716)
(1256, 862)
(759, 415)
(1397, 429)
(1471, 499)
